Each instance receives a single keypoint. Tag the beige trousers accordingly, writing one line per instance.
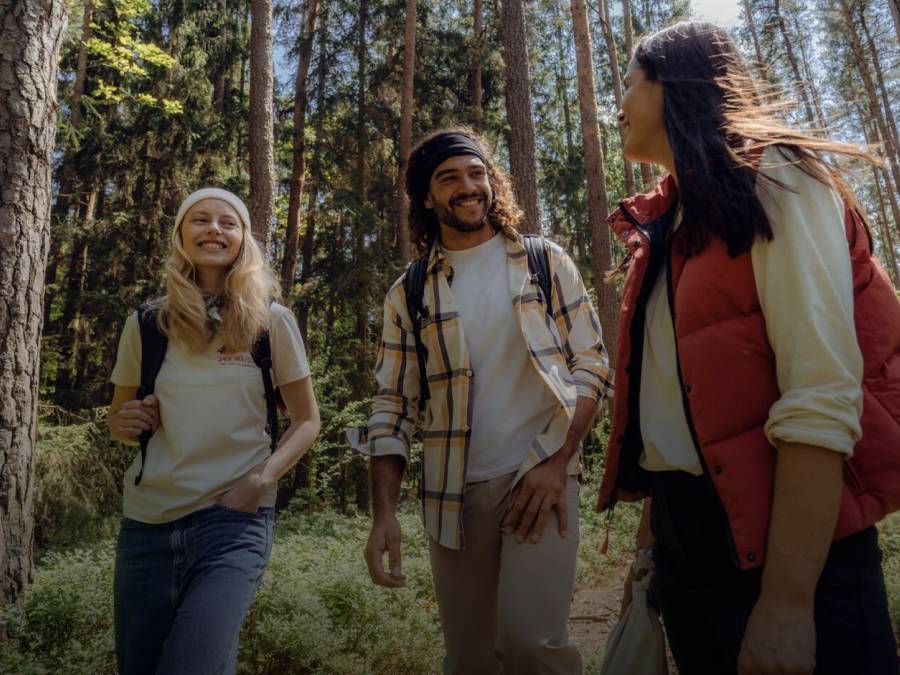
(504, 606)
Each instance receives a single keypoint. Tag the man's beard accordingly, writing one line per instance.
(446, 216)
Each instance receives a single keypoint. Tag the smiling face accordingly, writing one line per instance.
(460, 193)
(212, 234)
(644, 137)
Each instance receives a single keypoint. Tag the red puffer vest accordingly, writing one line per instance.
(727, 370)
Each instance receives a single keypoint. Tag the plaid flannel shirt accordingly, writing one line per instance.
(568, 353)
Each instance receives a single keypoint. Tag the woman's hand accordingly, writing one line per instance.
(780, 639)
(247, 491)
(127, 420)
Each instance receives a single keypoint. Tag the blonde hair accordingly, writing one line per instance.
(250, 286)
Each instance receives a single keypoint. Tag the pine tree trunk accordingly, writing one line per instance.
(875, 60)
(219, 81)
(862, 67)
(522, 164)
(476, 93)
(598, 207)
(871, 137)
(757, 50)
(30, 38)
(406, 105)
(895, 15)
(298, 167)
(71, 315)
(606, 26)
(799, 81)
(262, 174)
(629, 30)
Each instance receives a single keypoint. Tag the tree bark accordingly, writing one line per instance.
(221, 67)
(298, 143)
(262, 174)
(71, 315)
(799, 82)
(598, 206)
(522, 164)
(406, 104)
(757, 50)
(606, 27)
(30, 37)
(862, 68)
(871, 136)
(476, 93)
(875, 60)
(895, 15)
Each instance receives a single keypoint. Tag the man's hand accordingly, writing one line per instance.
(134, 417)
(385, 538)
(542, 489)
(247, 491)
(780, 639)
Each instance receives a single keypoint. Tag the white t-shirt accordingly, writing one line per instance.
(511, 403)
(805, 287)
(212, 419)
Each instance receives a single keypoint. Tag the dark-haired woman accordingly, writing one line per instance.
(758, 376)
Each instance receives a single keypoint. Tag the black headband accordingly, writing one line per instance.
(436, 151)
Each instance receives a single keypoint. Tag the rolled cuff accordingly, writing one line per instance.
(388, 445)
(814, 429)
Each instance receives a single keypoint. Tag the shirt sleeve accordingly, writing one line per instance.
(579, 329)
(289, 361)
(805, 285)
(127, 371)
(396, 405)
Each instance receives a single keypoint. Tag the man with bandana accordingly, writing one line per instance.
(512, 388)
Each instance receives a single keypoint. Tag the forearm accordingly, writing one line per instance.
(386, 474)
(296, 441)
(585, 411)
(807, 497)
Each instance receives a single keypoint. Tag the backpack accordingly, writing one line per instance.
(414, 289)
(153, 352)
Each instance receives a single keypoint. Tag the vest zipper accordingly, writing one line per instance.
(670, 293)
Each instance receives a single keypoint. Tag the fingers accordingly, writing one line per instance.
(381, 542)
(393, 546)
(543, 516)
(520, 501)
(529, 516)
(562, 514)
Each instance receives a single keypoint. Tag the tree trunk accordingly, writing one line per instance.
(219, 81)
(871, 137)
(477, 57)
(606, 26)
(895, 15)
(799, 81)
(262, 174)
(862, 68)
(757, 50)
(598, 207)
(71, 316)
(298, 168)
(875, 60)
(629, 30)
(406, 104)
(30, 38)
(522, 163)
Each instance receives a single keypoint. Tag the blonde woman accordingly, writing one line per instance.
(198, 502)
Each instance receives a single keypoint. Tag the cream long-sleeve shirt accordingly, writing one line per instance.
(805, 286)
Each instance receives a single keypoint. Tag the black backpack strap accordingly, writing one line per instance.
(153, 351)
(262, 357)
(539, 266)
(414, 289)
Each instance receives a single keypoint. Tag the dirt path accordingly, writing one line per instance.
(594, 612)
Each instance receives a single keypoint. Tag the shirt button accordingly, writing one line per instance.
(751, 557)
(717, 469)
(470, 372)
(688, 388)
(465, 428)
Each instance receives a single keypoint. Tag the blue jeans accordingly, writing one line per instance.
(182, 589)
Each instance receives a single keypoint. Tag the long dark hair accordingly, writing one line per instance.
(718, 124)
(503, 215)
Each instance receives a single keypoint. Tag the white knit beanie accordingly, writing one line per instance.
(214, 193)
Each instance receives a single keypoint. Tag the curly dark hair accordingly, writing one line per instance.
(503, 215)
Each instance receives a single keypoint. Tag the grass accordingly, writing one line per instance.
(317, 611)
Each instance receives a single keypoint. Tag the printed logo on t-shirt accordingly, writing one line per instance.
(240, 359)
